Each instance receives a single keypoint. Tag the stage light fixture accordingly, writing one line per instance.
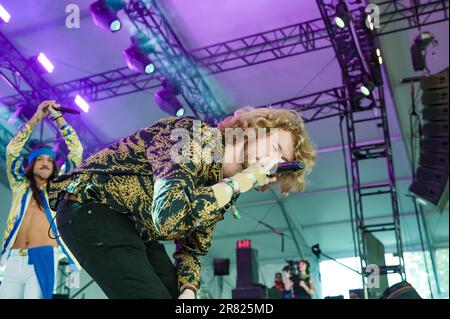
(4, 15)
(136, 56)
(104, 13)
(343, 16)
(41, 63)
(167, 99)
(316, 250)
(82, 103)
(138, 61)
(366, 88)
(45, 62)
(418, 50)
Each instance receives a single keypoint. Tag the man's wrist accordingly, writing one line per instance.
(55, 115)
(188, 286)
(233, 184)
(188, 292)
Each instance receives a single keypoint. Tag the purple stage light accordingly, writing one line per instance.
(169, 103)
(167, 99)
(104, 14)
(138, 61)
(82, 103)
(45, 62)
(4, 15)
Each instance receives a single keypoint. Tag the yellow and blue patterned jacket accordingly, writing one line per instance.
(21, 189)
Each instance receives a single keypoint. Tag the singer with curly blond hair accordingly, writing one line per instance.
(172, 180)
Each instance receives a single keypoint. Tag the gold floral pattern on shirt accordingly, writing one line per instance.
(167, 200)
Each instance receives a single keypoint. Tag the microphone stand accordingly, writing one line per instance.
(316, 251)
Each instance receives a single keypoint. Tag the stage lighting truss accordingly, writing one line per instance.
(317, 106)
(300, 38)
(395, 16)
(360, 58)
(172, 59)
(33, 88)
(358, 52)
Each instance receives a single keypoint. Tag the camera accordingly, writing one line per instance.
(291, 267)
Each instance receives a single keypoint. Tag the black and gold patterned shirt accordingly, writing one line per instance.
(167, 199)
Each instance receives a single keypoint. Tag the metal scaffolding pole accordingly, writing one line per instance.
(355, 47)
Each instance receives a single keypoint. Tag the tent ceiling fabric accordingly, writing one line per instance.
(322, 212)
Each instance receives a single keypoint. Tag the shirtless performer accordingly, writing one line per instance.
(31, 245)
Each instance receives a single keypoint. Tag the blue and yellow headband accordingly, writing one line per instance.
(41, 151)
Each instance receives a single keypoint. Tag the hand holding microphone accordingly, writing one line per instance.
(242, 182)
(42, 109)
(54, 111)
(264, 172)
(257, 175)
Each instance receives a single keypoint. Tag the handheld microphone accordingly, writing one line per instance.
(279, 169)
(63, 109)
(288, 167)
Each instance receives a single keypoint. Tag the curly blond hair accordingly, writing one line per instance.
(289, 120)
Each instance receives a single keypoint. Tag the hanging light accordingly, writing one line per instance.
(366, 88)
(104, 13)
(343, 16)
(82, 103)
(137, 55)
(4, 15)
(45, 62)
(167, 99)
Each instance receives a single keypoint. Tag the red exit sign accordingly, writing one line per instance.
(246, 243)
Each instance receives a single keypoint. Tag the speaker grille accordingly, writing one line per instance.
(431, 181)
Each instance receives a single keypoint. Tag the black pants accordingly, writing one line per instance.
(108, 247)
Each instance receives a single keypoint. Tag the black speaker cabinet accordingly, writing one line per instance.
(247, 267)
(431, 181)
